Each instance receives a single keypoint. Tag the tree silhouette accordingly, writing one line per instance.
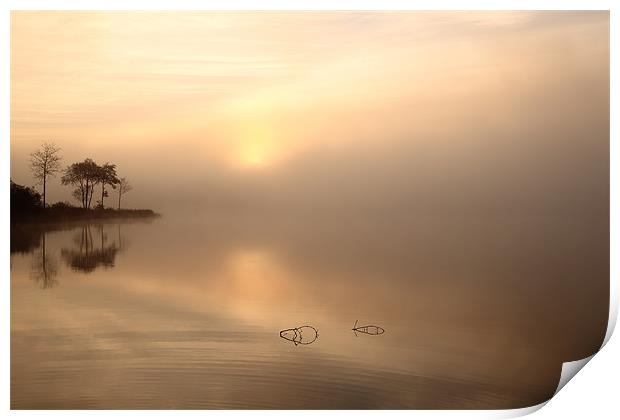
(107, 176)
(45, 163)
(123, 188)
(84, 176)
(24, 201)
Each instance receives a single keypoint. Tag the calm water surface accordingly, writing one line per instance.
(178, 313)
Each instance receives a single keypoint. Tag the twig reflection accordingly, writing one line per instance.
(367, 329)
(304, 335)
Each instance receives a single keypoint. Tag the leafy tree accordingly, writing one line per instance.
(83, 176)
(45, 163)
(24, 200)
(107, 176)
(123, 188)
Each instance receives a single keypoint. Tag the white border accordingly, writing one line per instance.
(598, 388)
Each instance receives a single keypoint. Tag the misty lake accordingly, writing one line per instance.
(181, 313)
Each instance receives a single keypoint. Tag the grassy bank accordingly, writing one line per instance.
(68, 214)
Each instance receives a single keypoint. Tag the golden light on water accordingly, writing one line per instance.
(253, 273)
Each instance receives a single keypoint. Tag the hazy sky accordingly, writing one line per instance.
(358, 109)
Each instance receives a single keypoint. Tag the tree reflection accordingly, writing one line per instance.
(44, 267)
(25, 239)
(92, 250)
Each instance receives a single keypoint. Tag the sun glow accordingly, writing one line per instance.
(253, 155)
(257, 146)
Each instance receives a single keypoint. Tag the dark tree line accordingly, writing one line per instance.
(84, 176)
(24, 200)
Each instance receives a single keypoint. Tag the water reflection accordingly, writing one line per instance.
(367, 329)
(26, 239)
(44, 267)
(187, 316)
(92, 250)
(94, 245)
(304, 335)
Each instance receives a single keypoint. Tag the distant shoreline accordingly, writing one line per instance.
(72, 214)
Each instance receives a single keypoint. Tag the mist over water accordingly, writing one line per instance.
(179, 314)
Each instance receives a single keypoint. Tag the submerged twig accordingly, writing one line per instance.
(306, 334)
(367, 329)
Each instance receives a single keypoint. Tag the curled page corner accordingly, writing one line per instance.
(520, 412)
(613, 314)
(570, 369)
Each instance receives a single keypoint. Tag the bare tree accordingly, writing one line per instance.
(45, 163)
(123, 187)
